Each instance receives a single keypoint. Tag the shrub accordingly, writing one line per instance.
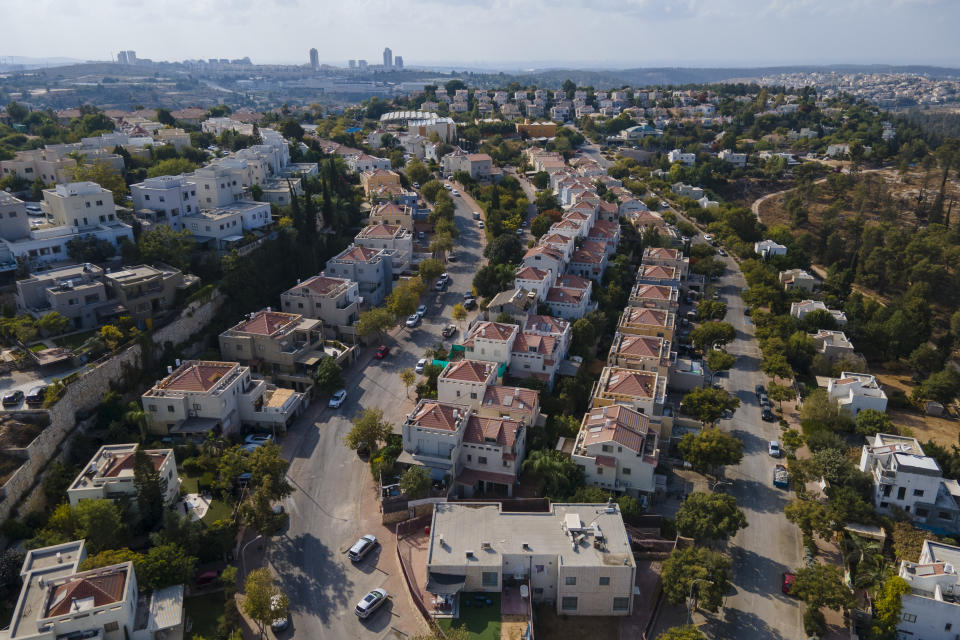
(814, 624)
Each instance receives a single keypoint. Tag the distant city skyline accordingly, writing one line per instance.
(493, 33)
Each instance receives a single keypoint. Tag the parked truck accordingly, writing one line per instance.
(781, 478)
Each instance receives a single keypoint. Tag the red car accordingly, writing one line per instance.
(382, 352)
(787, 583)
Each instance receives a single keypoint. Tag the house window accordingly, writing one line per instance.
(923, 513)
(943, 515)
(473, 395)
(570, 581)
(909, 617)
(606, 448)
(604, 581)
(538, 591)
(901, 492)
(469, 458)
(152, 407)
(599, 471)
(621, 604)
(170, 408)
(482, 459)
(489, 578)
(111, 626)
(918, 492)
(626, 471)
(569, 603)
(948, 626)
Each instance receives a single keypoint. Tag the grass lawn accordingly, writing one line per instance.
(482, 623)
(189, 483)
(74, 341)
(37, 348)
(218, 511)
(204, 611)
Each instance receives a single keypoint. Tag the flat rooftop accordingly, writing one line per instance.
(490, 534)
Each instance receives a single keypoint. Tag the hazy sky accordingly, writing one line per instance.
(513, 33)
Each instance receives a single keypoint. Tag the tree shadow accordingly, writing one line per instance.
(760, 496)
(756, 573)
(311, 575)
(736, 625)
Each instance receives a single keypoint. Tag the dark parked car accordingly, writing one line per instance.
(36, 395)
(759, 390)
(768, 415)
(13, 399)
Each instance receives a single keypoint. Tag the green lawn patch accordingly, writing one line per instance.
(75, 340)
(189, 483)
(204, 612)
(218, 510)
(481, 622)
(37, 348)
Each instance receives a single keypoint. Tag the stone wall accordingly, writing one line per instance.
(22, 489)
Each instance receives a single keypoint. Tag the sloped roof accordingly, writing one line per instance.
(654, 291)
(501, 431)
(103, 587)
(355, 253)
(641, 346)
(469, 370)
(630, 382)
(199, 375)
(541, 344)
(642, 315)
(564, 295)
(323, 285)
(531, 273)
(266, 323)
(379, 230)
(571, 281)
(493, 331)
(658, 271)
(512, 398)
(616, 423)
(546, 324)
(435, 415)
(661, 253)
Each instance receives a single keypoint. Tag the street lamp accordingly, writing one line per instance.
(690, 598)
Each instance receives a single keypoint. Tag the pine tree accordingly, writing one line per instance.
(150, 489)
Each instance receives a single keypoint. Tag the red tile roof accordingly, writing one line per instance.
(104, 587)
(654, 292)
(661, 253)
(630, 382)
(493, 331)
(657, 271)
(357, 254)
(641, 346)
(266, 323)
(532, 273)
(582, 256)
(538, 250)
(125, 462)
(571, 281)
(533, 343)
(565, 296)
(197, 375)
(510, 398)
(379, 230)
(500, 431)
(469, 370)
(642, 315)
(546, 324)
(323, 285)
(616, 423)
(435, 415)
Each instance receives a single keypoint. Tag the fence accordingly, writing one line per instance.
(407, 527)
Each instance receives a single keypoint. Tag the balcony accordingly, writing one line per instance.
(427, 457)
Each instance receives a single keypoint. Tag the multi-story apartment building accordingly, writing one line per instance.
(854, 392)
(533, 279)
(800, 310)
(833, 345)
(109, 474)
(645, 391)
(550, 326)
(537, 356)
(59, 601)
(931, 609)
(393, 214)
(904, 477)
(380, 183)
(334, 301)
(217, 185)
(643, 353)
(286, 347)
(222, 227)
(201, 396)
(46, 164)
(371, 269)
(640, 321)
(797, 279)
(144, 290)
(466, 381)
(618, 450)
(654, 296)
(397, 239)
(667, 258)
(567, 303)
(659, 275)
(76, 292)
(575, 556)
(166, 198)
(545, 258)
(79, 204)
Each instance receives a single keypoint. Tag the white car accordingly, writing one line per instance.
(421, 363)
(422, 310)
(370, 603)
(258, 438)
(412, 321)
(337, 399)
(773, 448)
(480, 224)
(455, 192)
(362, 547)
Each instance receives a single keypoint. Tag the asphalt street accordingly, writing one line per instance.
(333, 490)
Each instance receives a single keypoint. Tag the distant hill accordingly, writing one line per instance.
(17, 63)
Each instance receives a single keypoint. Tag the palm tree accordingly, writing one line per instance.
(550, 468)
(136, 416)
(867, 562)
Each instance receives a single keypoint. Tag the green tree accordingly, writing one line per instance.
(686, 632)
(718, 361)
(504, 249)
(150, 487)
(709, 403)
(104, 175)
(417, 172)
(415, 482)
(257, 512)
(17, 112)
(53, 323)
(441, 245)
(925, 360)
(268, 469)
(810, 516)
(908, 541)
(164, 117)
(112, 556)
(111, 336)
(821, 585)
(459, 313)
(430, 269)
(584, 338)
(941, 386)
(541, 179)
(886, 608)
(369, 430)
(710, 449)
(329, 375)
(708, 572)
(780, 393)
(710, 516)
(98, 521)
(166, 565)
(430, 190)
(775, 365)
(541, 224)
(263, 601)
(711, 333)
(556, 474)
(374, 321)
(870, 422)
(407, 377)
(711, 310)
(163, 244)
(171, 167)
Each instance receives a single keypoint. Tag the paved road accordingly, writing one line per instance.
(334, 499)
(770, 545)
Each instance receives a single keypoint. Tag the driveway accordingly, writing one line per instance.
(334, 500)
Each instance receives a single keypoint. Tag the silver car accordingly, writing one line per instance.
(362, 547)
(370, 603)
